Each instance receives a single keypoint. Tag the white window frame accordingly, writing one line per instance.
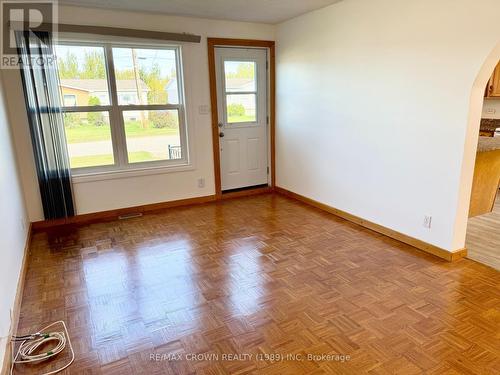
(115, 110)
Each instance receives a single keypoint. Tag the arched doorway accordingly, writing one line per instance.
(471, 145)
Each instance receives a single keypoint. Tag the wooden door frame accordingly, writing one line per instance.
(211, 44)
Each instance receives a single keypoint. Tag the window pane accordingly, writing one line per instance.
(152, 135)
(69, 100)
(240, 76)
(146, 76)
(82, 75)
(88, 135)
(241, 108)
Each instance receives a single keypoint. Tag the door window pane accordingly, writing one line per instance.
(88, 136)
(152, 135)
(240, 76)
(82, 75)
(241, 108)
(146, 76)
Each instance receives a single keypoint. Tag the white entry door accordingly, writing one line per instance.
(242, 111)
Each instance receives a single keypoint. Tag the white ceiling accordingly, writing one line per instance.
(266, 11)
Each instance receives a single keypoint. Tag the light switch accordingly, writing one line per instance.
(204, 109)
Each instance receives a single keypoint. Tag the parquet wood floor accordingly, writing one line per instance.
(262, 275)
(483, 237)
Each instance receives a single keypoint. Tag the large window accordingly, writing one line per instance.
(123, 106)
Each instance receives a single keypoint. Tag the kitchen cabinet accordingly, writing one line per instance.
(493, 89)
(486, 176)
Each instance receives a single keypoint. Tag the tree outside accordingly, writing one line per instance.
(148, 133)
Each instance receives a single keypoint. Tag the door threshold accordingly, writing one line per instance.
(245, 191)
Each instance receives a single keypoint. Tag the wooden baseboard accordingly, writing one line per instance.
(155, 207)
(428, 248)
(16, 309)
(113, 214)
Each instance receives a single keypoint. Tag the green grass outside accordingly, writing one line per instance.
(245, 118)
(100, 160)
(89, 133)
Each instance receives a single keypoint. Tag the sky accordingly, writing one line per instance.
(122, 57)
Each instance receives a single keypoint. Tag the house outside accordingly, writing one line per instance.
(78, 92)
(238, 85)
(172, 91)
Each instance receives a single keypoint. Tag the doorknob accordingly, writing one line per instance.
(221, 134)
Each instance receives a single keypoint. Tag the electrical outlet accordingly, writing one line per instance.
(491, 110)
(427, 221)
(201, 182)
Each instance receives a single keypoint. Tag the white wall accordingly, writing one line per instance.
(13, 230)
(118, 193)
(373, 100)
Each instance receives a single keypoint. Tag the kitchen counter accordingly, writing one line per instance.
(488, 124)
(488, 144)
(488, 127)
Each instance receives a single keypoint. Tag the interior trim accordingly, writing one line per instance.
(211, 44)
(421, 245)
(113, 214)
(129, 173)
(112, 31)
(16, 309)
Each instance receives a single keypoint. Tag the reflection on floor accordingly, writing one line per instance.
(483, 237)
(288, 287)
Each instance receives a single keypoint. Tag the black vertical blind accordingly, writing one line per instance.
(43, 104)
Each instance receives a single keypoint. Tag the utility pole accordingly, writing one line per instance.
(138, 88)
